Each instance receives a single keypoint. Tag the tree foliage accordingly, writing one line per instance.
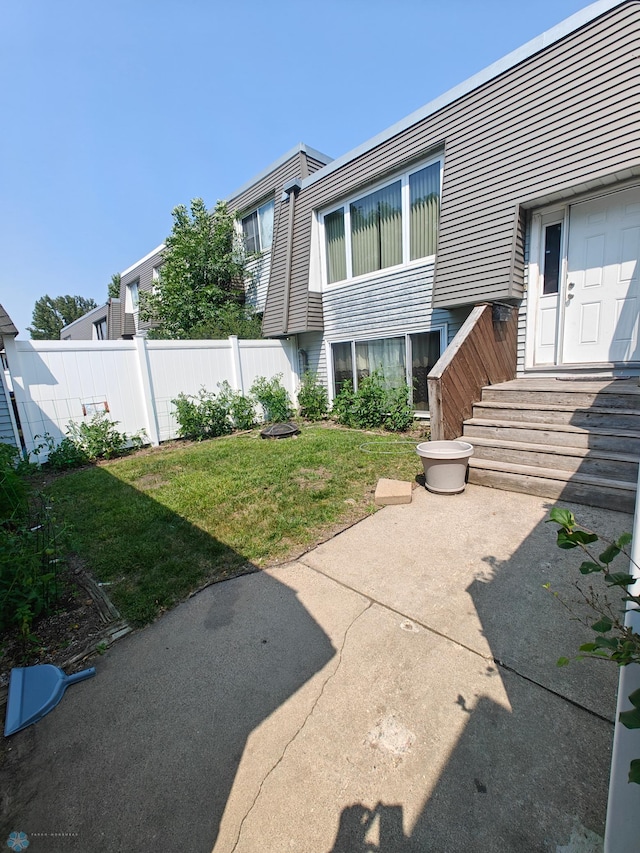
(50, 315)
(114, 286)
(200, 290)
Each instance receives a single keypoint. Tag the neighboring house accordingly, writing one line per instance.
(100, 324)
(255, 203)
(140, 276)
(8, 423)
(525, 176)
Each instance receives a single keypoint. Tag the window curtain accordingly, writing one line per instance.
(265, 218)
(376, 230)
(336, 252)
(342, 365)
(424, 193)
(425, 351)
(386, 356)
(250, 231)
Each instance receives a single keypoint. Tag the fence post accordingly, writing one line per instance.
(236, 364)
(148, 402)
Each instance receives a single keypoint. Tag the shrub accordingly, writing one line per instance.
(241, 409)
(312, 398)
(13, 492)
(273, 397)
(201, 416)
(86, 442)
(399, 412)
(342, 409)
(27, 550)
(373, 405)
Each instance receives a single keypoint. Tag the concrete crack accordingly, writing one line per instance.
(299, 730)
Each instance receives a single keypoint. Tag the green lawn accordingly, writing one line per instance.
(159, 524)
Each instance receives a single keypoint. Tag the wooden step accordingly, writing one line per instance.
(598, 463)
(563, 397)
(564, 435)
(552, 414)
(559, 485)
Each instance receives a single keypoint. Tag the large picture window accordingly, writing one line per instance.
(257, 228)
(404, 358)
(368, 233)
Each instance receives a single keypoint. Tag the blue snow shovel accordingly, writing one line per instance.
(34, 691)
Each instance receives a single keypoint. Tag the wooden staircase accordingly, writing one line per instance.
(568, 439)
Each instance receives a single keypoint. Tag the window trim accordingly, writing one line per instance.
(130, 307)
(345, 203)
(442, 328)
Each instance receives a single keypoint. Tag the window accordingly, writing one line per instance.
(395, 224)
(352, 360)
(131, 298)
(100, 330)
(552, 256)
(257, 228)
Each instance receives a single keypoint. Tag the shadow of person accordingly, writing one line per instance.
(383, 822)
(144, 756)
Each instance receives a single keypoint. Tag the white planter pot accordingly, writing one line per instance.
(445, 465)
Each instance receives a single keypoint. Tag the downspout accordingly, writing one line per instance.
(290, 190)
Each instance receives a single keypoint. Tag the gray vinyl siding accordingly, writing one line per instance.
(257, 281)
(397, 303)
(82, 328)
(7, 435)
(141, 272)
(312, 343)
(559, 120)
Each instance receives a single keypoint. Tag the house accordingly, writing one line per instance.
(255, 203)
(518, 189)
(8, 421)
(100, 324)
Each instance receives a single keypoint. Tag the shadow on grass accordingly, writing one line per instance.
(144, 755)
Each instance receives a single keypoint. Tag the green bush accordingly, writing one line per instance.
(201, 416)
(399, 412)
(240, 408)
(274, 399)
(86, 442)
(373, 405)
(13, 492)
(342, 409)
(312, 398)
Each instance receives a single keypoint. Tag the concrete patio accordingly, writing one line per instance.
(395, 689)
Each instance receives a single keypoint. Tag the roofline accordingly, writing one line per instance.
(86, 316)
(299, 148)
(549, 37)
(142, 260)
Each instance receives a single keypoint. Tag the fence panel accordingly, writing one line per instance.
(59, 381)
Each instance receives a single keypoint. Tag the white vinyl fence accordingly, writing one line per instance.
(55, 382)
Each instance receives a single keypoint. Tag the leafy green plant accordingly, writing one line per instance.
(201, 416)
(13, 492)
(86, 442)
(312, 398)
(273, 397)
(374, 405)
(241, 409)
(614, 640)
(398, 412)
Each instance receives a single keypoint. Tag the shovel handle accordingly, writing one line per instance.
(81, 676)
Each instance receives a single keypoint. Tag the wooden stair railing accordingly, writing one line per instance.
(482, 353)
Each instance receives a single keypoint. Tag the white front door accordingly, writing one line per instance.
(602, 287)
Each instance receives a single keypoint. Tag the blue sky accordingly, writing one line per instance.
(115, 112)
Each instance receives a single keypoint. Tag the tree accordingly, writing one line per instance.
(200, 290)
(114, 286)
(50, 315)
